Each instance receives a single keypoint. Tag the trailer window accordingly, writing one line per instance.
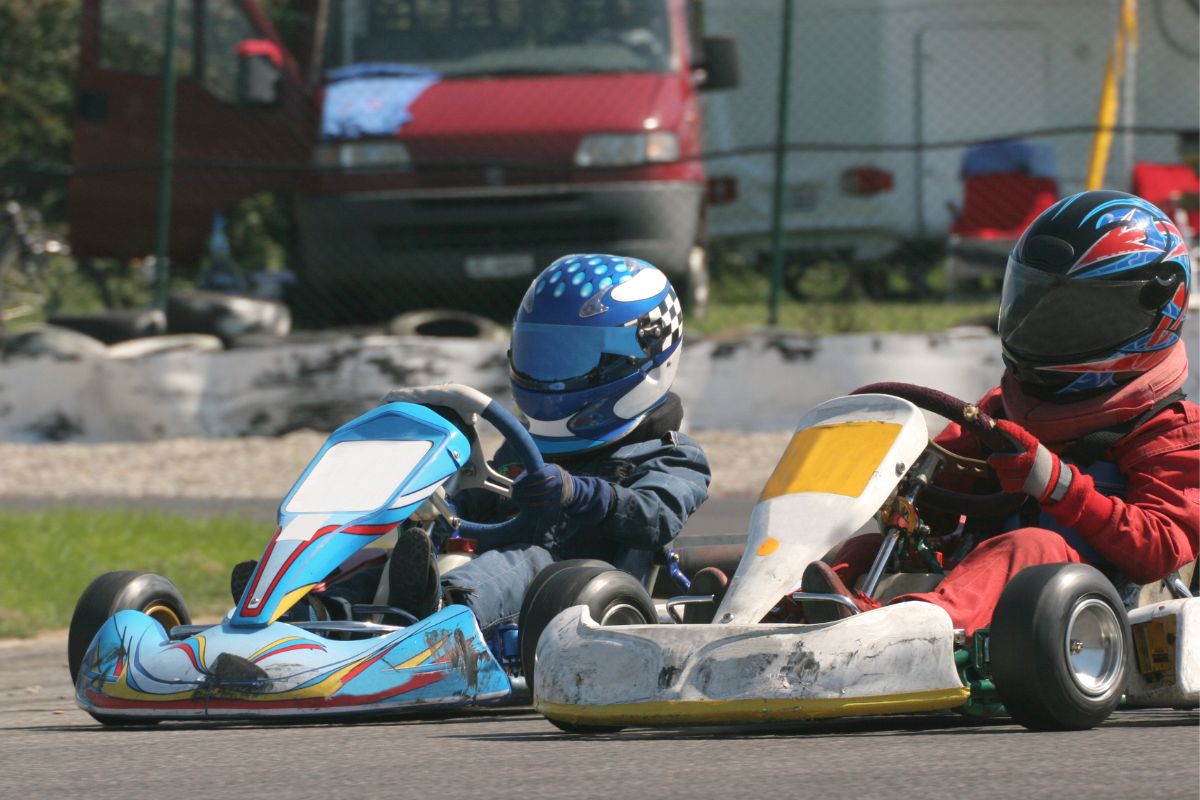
(132, 33)
(461, 38)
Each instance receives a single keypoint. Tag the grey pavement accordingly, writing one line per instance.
(50, 749)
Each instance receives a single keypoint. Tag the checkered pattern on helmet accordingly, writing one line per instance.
(662, 326)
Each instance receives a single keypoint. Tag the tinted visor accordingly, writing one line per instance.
(1056, 318)
(560, 357)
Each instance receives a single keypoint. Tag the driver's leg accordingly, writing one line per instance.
(971, 589)
(493, 585)
(853, 557)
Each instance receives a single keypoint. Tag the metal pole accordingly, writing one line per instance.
(781, 127)
(162, 267)
(1129, 89)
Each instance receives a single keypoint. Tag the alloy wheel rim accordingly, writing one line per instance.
(1094, 646)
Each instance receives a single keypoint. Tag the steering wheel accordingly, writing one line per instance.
(464, 404)
(974, 419)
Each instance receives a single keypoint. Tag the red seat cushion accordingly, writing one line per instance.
(1171, 187)
(1000, 205)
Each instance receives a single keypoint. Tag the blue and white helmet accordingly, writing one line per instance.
(595, 346)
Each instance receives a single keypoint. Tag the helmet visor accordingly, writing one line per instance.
(1054, 317)
(546, 354)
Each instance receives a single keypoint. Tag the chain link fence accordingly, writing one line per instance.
(829, 165)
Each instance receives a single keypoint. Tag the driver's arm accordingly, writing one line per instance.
(1155, 529)
(667, 484)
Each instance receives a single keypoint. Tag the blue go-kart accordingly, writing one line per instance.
(135, 658)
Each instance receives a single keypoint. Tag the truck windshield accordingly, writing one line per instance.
(468, 38)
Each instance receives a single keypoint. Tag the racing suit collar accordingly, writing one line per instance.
(664, 418)
(1059, 423)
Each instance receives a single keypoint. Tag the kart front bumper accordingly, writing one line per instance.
(898, 659)
(133, 670)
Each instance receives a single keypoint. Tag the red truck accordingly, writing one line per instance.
(434, 151)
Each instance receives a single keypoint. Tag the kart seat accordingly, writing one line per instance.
(1000, 205)
(1172, 187)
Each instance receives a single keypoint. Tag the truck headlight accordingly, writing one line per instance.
(356, 155)
(627, 149)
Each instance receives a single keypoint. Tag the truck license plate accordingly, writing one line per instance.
(517, 265)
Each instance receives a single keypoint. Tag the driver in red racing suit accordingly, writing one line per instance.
(1108, 451)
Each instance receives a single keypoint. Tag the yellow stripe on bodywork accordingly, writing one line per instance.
(833, 459)
(421, 657)
(290, 599)
(272, 645)
(711, 712)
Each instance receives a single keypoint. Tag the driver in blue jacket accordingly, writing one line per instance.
(595, 347)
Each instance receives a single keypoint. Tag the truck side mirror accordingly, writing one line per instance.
(259, 66)
(720, 64)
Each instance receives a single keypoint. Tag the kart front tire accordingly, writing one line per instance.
(1060, 647)
(613, 597)
(121, 591)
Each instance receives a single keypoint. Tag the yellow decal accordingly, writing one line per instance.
(668, 712)
(834, 459)
(421, 657)
(769, 546)
(273, 644)
(1154, 645)
(290, 600)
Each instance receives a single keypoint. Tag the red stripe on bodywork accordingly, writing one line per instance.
(353, 530)
(191, 656)
(304, 646)
(415, 682)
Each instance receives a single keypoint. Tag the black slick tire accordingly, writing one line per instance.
(120, 591)
(1060, 647)
(613, 597)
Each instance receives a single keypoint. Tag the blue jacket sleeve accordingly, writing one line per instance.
(667, 484)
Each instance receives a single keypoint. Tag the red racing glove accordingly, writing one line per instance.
(1034, 470)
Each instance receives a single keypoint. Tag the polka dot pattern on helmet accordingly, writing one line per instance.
(584, 276)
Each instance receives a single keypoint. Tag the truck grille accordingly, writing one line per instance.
(491, 235)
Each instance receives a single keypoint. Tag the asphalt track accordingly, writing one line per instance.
(50, 749)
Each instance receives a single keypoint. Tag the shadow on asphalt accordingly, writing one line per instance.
(868, 726)
(874, 726)
(455, 717)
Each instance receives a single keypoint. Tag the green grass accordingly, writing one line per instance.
(50, 557)
(828, 317)
(740, 296)
(838, 317)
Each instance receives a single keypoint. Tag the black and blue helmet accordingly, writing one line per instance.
(1095, 294)
(595, 345)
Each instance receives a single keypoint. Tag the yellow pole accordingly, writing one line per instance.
(1106, 114)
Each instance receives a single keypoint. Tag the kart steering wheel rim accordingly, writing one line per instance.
(514, 433)
(974, 419)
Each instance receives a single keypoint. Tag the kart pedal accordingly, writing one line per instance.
(239, 577)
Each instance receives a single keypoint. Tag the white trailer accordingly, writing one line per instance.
(904, 85)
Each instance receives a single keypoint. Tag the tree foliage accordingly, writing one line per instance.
(39, 45)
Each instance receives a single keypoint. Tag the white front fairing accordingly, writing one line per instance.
(898, 659)
(1165, 668)
(845, 459)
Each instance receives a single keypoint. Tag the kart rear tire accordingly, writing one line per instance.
(1060, 647)
(121, 591)
(613, 597)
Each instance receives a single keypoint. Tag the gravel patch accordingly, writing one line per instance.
(256, 468)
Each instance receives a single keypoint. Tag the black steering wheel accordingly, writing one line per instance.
(530, 458)
(974, 419)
